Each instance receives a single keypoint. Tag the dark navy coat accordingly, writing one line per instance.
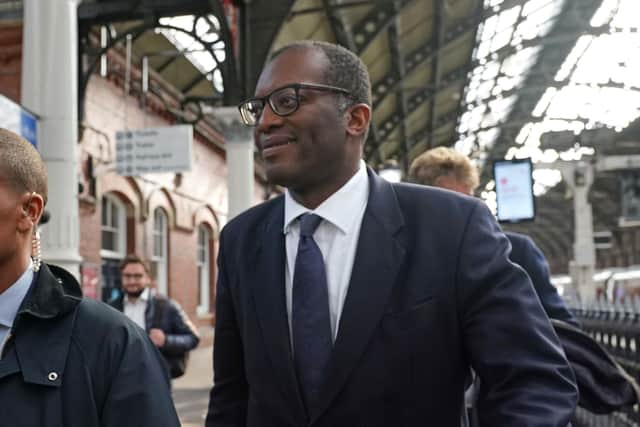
(527, 255)
(432, 293)
(74, 362)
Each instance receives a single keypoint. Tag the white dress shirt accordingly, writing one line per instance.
(336, 236)
(135, 310)
(10, 301)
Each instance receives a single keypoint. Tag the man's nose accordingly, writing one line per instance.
(268, 119)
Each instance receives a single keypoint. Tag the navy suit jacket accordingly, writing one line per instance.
(527, 255)
(432, 293)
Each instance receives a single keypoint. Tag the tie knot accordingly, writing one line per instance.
(308, 224)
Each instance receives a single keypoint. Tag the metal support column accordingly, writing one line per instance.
(579, 177)
(240, 168)
(49, 89)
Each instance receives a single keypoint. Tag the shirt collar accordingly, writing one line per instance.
(144, 297)
(11, 299)
(339, 208)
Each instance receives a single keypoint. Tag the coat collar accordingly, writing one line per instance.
(268, 280)
(378, 260)
(54, 292)
(45, 321)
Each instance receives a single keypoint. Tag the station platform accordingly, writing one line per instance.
(191, 391)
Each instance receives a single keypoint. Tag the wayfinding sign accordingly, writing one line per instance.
(18, 120)
(154, 150)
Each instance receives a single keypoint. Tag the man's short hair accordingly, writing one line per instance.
(135, 259)
(346, 70)
(443, 162)
(21, 166)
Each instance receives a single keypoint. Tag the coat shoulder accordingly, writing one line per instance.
(422, 199)
(254, 217)
(97, 323)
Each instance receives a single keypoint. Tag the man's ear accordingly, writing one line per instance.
(32, 206)
(358, 118)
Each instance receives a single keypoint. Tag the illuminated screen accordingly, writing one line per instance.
(514, 190)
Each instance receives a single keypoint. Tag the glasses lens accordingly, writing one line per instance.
(250, 111)
(284, 101)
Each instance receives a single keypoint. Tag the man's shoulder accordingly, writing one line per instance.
(166, 302)
(425, 196)
(255, 216)
(97, 322)
(518, 240)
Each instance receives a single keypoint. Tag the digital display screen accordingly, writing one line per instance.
(514, 190)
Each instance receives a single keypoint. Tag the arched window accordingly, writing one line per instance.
(160, 249)
(204, 268)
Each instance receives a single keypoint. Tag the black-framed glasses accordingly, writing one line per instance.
(283, 101)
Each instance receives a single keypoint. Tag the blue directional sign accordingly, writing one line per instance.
(18, 120)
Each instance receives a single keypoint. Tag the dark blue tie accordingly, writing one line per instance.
(310, 321)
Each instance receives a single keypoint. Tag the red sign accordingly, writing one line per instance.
(90, 280)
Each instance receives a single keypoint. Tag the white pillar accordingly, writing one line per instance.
(50, 90)
(240, 183)
(579, 176)
(240, 168)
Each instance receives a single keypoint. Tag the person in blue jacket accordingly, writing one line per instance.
(65, 360)
(447, 168)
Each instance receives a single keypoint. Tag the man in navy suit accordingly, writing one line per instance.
(446, 168)
(417, 283)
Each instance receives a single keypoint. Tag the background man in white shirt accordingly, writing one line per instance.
(165, 321)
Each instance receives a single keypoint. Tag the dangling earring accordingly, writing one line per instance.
(36, 251)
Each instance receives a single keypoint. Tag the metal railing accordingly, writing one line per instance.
(617, 328)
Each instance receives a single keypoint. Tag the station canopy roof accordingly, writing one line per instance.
(553, 80)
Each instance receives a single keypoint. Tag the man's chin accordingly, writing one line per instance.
(278, 175)
(134, 294)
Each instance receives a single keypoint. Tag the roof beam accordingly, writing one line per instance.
(197, 79)
(397, 65)
(345, 38)
(126, 10)
(425, 53)
(340, 31)
(344, 5)
(437, 40)
(375, 22)
(421, 96)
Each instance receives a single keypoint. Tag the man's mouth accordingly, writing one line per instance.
(272, 146)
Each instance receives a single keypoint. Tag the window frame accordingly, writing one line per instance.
(161, 262)
(121, 226)
(203, 264)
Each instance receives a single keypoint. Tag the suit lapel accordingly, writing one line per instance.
(377, 263)
(269, 300)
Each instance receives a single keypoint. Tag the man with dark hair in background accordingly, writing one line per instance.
(446, 168)
(165, 321)
(65, 360)
(351, 301)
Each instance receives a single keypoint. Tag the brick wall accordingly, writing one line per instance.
(190, 199)
(10, 60)
(193, 198)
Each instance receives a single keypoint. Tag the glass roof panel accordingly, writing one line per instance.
(207, 30)
(502, 63)
(598, 85)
